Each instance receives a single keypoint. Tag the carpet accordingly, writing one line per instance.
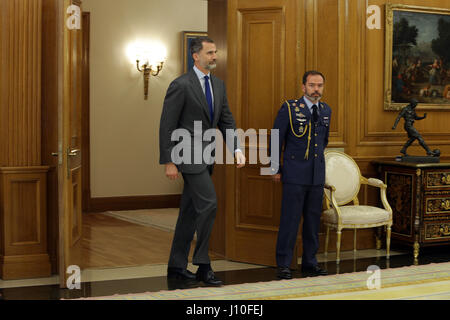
(303, 287)
(436, 290)
(162, 219)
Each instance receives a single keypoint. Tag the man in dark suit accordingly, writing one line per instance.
(303, 126)
(196, 100)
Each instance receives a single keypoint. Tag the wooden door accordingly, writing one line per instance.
(262, 73)
(70, 215)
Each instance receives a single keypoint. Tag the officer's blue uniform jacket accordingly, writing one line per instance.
(304, 142)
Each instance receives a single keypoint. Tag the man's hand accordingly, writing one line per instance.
(172, 171)
(276, 177)
(240, 159)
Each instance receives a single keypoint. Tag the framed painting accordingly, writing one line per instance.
(188, 61)
(417, 61)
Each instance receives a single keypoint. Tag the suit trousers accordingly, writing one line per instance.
(299, 200)
(198, 209)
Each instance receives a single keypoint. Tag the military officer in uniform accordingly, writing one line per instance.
(303, 126)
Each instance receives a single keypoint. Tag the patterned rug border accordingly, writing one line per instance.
(391, 277)
(294, 296)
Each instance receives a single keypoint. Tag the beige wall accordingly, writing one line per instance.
(124, 127)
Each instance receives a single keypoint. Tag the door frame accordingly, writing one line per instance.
(85, 114)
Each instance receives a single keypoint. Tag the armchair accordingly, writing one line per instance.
(342, 184)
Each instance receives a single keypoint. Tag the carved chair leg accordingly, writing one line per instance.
(388, 242)
(378, 235)
(327, 239)
(416, 250)
(338, 246)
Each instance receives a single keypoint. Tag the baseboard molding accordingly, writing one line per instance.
(133, 203)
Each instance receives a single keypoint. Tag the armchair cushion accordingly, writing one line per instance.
(360, 215)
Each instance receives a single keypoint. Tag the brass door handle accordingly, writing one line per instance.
(55, 154)
(72, 153)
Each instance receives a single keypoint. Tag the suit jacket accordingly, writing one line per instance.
(302, 165)
(185, 103)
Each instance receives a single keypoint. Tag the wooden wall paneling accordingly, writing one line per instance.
(85, 114)
(332, 47)
(375, 139)
(331, 36)
(21, 83)
(353, 82)
(51, 103)
(328, 53)
(3, 81)
(375, 135)
(134, 203)
(23, 207)
(2, 226)
(218, 31)
(24, 221)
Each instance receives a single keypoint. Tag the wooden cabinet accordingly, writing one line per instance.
(419, 195)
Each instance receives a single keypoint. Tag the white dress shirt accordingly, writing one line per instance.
(309, 104)
(201, 78)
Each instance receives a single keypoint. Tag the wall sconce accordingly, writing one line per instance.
(149, 58)
(147, 69)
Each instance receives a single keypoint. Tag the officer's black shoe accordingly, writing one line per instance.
(314, 271)
(209, 278)
(180, 274)
(284, 273)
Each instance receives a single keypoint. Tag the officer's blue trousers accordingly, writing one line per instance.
(299, 200)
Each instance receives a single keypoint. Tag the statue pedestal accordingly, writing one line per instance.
(418, 159)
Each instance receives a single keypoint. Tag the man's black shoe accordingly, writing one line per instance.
(175, 284)
(209, 278)
(314, 271)
(284, 273)
(180, 274)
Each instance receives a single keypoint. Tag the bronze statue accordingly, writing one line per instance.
(410, 115)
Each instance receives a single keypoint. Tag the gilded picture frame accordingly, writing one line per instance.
(417, 61)
(187, 36)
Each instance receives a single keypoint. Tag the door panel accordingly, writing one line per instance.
(71, 169)
(254, 213)
(262, 57)
(75, 211)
